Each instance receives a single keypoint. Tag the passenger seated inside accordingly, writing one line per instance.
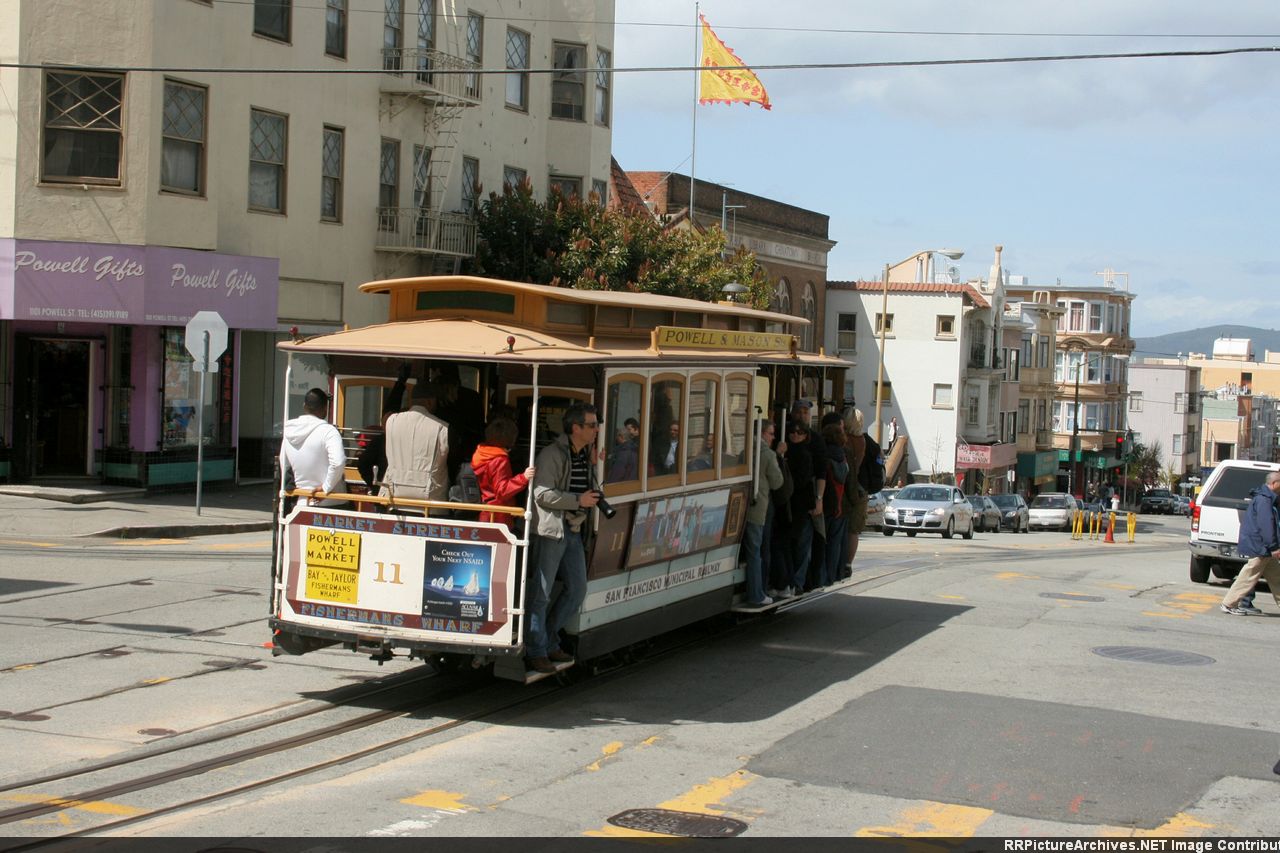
(705, 458)
(624, 458)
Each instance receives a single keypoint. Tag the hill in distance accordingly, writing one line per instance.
(1201, 340)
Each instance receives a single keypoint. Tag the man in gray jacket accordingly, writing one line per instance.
(562, 494)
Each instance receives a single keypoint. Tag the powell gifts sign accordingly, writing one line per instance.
(134, 285)
(680, 337)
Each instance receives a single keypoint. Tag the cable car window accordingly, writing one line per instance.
(737, 406)
(624, 411)
(701, 448)
(666, 421)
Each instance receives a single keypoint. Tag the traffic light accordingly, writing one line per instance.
(1119, 446)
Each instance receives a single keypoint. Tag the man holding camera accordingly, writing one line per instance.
(562, 494)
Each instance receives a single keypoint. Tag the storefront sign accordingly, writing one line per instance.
(678, 337)
(134, 285)
(986, 457)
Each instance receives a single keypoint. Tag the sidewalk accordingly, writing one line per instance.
(30, 511)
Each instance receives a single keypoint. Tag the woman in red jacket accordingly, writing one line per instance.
(492, 465)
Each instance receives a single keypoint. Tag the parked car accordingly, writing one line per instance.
(1157, 501)
(875, 511)
(986, 515)
(1052, 510)
(1184, 505)
(1013, 512)
(929, 507)
(1215, 517)
(887, 494)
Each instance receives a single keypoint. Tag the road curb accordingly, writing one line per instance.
(180, 531)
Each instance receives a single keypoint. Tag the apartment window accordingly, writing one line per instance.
(886, 392)
(83, 127)
(1076, 321)
(1180, 402)
(475, 51)
(1093, 369)
(1061, 322)
(1027, 353)
(566, 186)
(1177, 445)
(470, 185)
(569, 81)
(513, 177)
(1095, 316)
(335, 28)
(945, 326)
(942, 396)
(271, 18)
(1024, 416)
(600, 189)
(389, 185)
(182, 133)
(888, 324)
(421, 178)
(268, 140)
(392, 35)
(1013, 362)
(331, 174)
(847, 333)
(517, 69)
(1043, 350)
(603, 79)
(1042, 419)
(426, 38)
(1092, 413)
(1135, 401)
(973, 406)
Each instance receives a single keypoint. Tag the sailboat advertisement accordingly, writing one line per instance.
(456, 580)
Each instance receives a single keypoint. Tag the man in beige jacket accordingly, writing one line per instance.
(418, 449)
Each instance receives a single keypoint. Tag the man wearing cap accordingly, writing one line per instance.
(418, 449)
(312, 449)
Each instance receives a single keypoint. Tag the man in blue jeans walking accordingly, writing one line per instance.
(562, 494)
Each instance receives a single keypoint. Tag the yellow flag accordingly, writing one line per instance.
(733, 82)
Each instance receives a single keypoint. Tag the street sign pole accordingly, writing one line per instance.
(204, 374)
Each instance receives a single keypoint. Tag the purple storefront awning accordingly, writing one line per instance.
(134, 285)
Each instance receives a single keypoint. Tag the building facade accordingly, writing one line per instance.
(1090, 369)
(1036, 327)
(1164, 407)
(172, 187)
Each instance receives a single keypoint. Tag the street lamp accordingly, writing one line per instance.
(924, 265)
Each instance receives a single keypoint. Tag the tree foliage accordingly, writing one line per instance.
(576, 243)
(1146, 463)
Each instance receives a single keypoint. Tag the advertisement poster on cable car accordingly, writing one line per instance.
(456, 580)
(681, 524)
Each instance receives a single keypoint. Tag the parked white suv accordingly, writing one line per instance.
(1215, 517)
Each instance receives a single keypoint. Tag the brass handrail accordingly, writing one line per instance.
(516, 511)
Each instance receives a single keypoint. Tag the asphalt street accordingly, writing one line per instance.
(1009, 685)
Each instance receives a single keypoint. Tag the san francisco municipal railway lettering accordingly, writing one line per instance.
(650, 586)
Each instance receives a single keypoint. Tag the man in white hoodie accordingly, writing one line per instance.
(312, 448)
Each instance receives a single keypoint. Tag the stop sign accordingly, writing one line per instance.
(211, 322)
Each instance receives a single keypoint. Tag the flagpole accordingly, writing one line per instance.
(693, 157)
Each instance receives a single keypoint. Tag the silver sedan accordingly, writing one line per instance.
(932, 508)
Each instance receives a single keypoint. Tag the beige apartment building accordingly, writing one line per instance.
(1031, 330)
(130, 198)
(1090, 371)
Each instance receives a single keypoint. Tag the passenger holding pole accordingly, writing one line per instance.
(562, 494)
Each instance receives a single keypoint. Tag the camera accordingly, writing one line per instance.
(603, 505)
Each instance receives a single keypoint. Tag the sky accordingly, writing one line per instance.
(1165, 169)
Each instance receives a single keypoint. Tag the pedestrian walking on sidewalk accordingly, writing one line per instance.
(1260, 542)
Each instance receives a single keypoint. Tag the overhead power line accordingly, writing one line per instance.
(798, 66)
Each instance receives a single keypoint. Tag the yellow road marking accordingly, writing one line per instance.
(701, 799)
(93, 806)
(608, 750)
(30, 544)
(1166, 615)
(1192, 602)
(160, 680)
(1181, 825)
(1122, 586)
(1009, 576)
(447, 801)
(931, 819)
(952, 597)
(148, 542)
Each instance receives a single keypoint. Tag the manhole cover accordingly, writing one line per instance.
(684, 824)
(1072, 596)
(1144, 654)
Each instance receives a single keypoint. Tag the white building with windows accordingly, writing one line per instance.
(130, 199)
(1164, 407)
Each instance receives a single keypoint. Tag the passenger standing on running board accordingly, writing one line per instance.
(562, 494)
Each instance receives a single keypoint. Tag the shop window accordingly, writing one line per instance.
(179, 427)
(83, 128)
(737, 431)
(624, 433)
(703, 448)
(119, 384)
(666, 425)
